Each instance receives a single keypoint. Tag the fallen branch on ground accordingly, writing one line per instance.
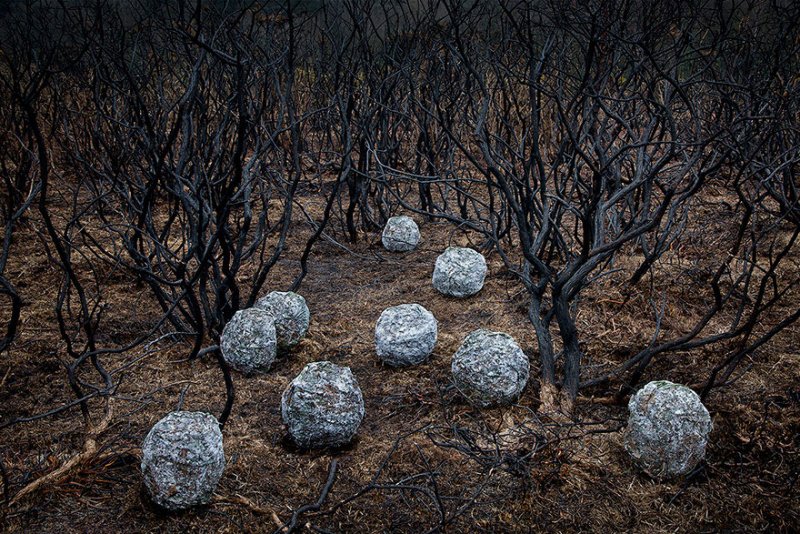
(89, 451)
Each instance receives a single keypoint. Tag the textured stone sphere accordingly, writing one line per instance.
(405, 335)
(490, 369)
(459, 272)
(249, 341)
(668, 429)
(183, 460)
(400, 234)
(323, 406)
(291, 316)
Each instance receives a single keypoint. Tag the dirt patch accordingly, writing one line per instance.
(421, 453)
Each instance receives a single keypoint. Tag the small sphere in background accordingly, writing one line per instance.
(249, 341)
(291, 316)
(459, 272)
(400, 234)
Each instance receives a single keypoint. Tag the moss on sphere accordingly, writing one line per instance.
(405, 335)
(323, 406)
(291, 315)
(400, 234)
(459, 272)
(490, 369)
(249, 340)
(183, 460)
(668, 429)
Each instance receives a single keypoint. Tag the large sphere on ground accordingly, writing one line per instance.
(459, 272)
(248, 341)
(323, 406)
(490, 369)
(183, 460)
(291, 316)
(668, 429)
(405, 335)
(400, 234)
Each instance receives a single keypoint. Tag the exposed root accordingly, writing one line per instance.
(89, 451)
(250, 505)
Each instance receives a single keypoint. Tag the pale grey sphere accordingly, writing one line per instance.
(323, 406)
(249, 341)
(405, 335)
(400, 234)
(291, 316)
(668, 429)
(183, 460)
(459, 272)
(490, 369)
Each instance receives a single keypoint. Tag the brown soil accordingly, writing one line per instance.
(435, 454)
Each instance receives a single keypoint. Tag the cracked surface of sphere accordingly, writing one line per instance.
(490, 369)
(668, 429)
(323, 406)
(291, 316)
(249, 341)
(183, 460)
(400, 234)
(405, 335)
(459, 272)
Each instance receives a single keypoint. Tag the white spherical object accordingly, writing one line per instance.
(405, 335)
(183, 460)
(291, 316)
(490, 369)
(400, 234)
(323, 406)
(249, 340)
(459, 272)
(668, 429)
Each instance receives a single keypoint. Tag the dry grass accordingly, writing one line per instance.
(581, 481)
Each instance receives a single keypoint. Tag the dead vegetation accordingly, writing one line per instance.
(422, 456)
(630, 179)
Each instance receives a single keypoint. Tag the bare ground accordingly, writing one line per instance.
(558, 476)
